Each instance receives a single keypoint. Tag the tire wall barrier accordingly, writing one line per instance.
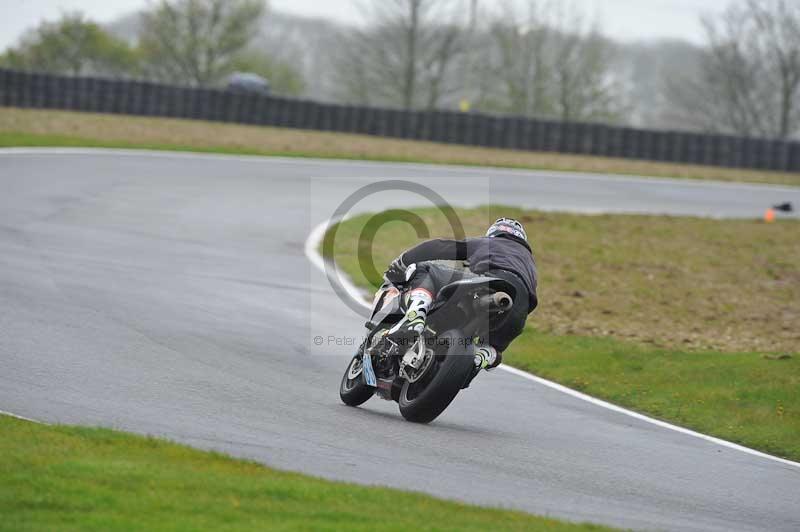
(46, 91)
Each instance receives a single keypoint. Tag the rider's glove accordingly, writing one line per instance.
(396, 274)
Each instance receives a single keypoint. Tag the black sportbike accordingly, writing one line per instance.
(425, 376)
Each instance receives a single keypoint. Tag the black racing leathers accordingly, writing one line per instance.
(502, 257)
(483, 254)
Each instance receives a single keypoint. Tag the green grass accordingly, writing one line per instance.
(68, 478)
(741, 397)
(32, 140)
(690, 320)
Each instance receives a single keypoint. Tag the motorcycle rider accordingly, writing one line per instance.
(503, 253)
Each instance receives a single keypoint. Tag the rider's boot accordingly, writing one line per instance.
(487, 357)
(418, 301)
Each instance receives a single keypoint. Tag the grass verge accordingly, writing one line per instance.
(25, 127)
(690, 320)
(69, 478)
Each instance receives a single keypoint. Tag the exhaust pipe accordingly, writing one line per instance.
(497, 302)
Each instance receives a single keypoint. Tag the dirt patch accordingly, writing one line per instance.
(689, 283)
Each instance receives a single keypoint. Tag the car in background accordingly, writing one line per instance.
(247, 82)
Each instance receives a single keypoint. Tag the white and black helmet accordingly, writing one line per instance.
(507, 227)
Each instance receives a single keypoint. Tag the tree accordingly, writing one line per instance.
(749, 80)
(584, 87)
(779, 25)
(404, 57)
(72, 45)
(197, 41)
(550, 64)
(522, 64)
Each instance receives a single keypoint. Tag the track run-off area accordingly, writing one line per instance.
(172, 294)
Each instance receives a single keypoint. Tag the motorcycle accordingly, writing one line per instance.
(425, 376)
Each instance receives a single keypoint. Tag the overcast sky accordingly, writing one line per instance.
(623, 19)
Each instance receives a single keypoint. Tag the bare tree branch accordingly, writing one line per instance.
(404, 57)
(749, 83)
(550, 64)
(196, 41)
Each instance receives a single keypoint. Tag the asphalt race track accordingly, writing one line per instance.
(169, 294)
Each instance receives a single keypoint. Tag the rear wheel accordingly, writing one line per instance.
(353, 390)
(422, 401)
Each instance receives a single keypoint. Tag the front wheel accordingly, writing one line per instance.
(424, 400)
(353, 390)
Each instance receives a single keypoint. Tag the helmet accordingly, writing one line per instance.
(507, 227)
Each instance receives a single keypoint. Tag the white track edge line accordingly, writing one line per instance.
(23, 418)
(311, 246)
(311, 250)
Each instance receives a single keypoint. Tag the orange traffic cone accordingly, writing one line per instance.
(769, 216)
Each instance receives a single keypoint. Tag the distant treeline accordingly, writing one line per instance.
(535, 58)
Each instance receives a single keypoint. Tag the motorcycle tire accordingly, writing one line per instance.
(452, 372)
(354, 391)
